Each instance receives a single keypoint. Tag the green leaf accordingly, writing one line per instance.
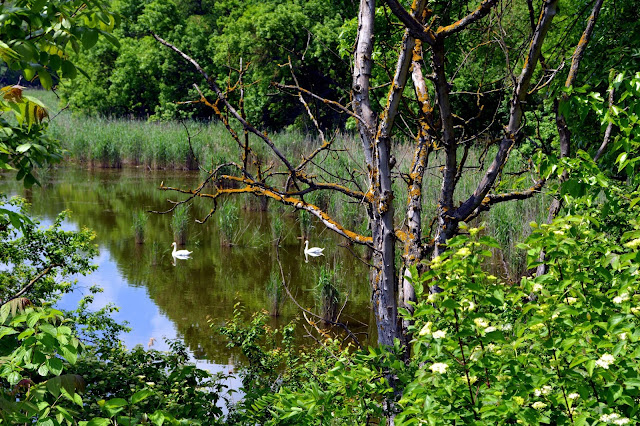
(89, 38)
(590, 365)
(23, 148)
(69, 353)
(141, 395)
(632, 383)
(43, 370)
(54, 365)
(99, 421)
(68, 69)
(45, 79)
(5, 331)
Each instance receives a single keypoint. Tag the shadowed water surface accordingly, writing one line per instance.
(163, 300)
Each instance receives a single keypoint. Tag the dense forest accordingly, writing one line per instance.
(451, 110)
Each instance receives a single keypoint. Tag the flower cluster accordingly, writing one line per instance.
(481, 323)
(426, 329)
(546, 390)
(439, 367)
(539, 405)
(622, 298)
(439, 334)
(614, 418)
(605, 361)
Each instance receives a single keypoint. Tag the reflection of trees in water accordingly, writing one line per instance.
(201, 291)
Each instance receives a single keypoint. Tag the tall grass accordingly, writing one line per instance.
(275, 294)
(328, 294)
(304, 219)
(228, 223)
(179, 223)
(107, 142)
(139, 223)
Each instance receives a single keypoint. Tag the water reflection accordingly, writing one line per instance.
(162, 296)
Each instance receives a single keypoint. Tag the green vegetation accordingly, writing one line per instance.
(328, 295)
(179, 224)
(558, 347)
(275, 292)
(139, 222)
(253, 35)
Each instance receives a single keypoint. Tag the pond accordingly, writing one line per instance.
(189, 299)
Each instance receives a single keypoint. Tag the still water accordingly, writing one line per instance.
(190, 299)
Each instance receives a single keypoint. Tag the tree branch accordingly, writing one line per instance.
(481, 11)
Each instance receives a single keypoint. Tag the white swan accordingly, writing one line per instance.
(180, 254)
(313, 251)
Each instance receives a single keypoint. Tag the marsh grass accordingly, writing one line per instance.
(327, 294)
(228, 223)
(275, 294)
(139, 223)
(304, 219)
(107, 142)
(180, 223)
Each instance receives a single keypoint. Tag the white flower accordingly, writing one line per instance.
(574, 395)
(489, 329)
(468, 305)
(481, 322)
(507, 327)
(539, 405)
(572, 300)
(622, 336)
(432, 297)
(537, 287)
(605, 361)
(635, 310)
(546, 390)
(621, 421)
(439, 367)
(426, 329)
(622, 298)
(439, 334)
(614, 418)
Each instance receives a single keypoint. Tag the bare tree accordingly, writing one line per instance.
(419, 97)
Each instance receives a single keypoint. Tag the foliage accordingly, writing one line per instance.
(261, 34)
(325, 385)
(46, 258)
(270, 355)
(60, 26)
(180, 223)
(35, 342)
(169, 382)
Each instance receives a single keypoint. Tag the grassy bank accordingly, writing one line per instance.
(104, 142)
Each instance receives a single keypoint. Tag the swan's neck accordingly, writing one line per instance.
(306, 245)
(174, 249)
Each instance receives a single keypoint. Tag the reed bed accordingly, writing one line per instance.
(106, 142)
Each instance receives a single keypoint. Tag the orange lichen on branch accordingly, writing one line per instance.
(480, 12)
(262, 190)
